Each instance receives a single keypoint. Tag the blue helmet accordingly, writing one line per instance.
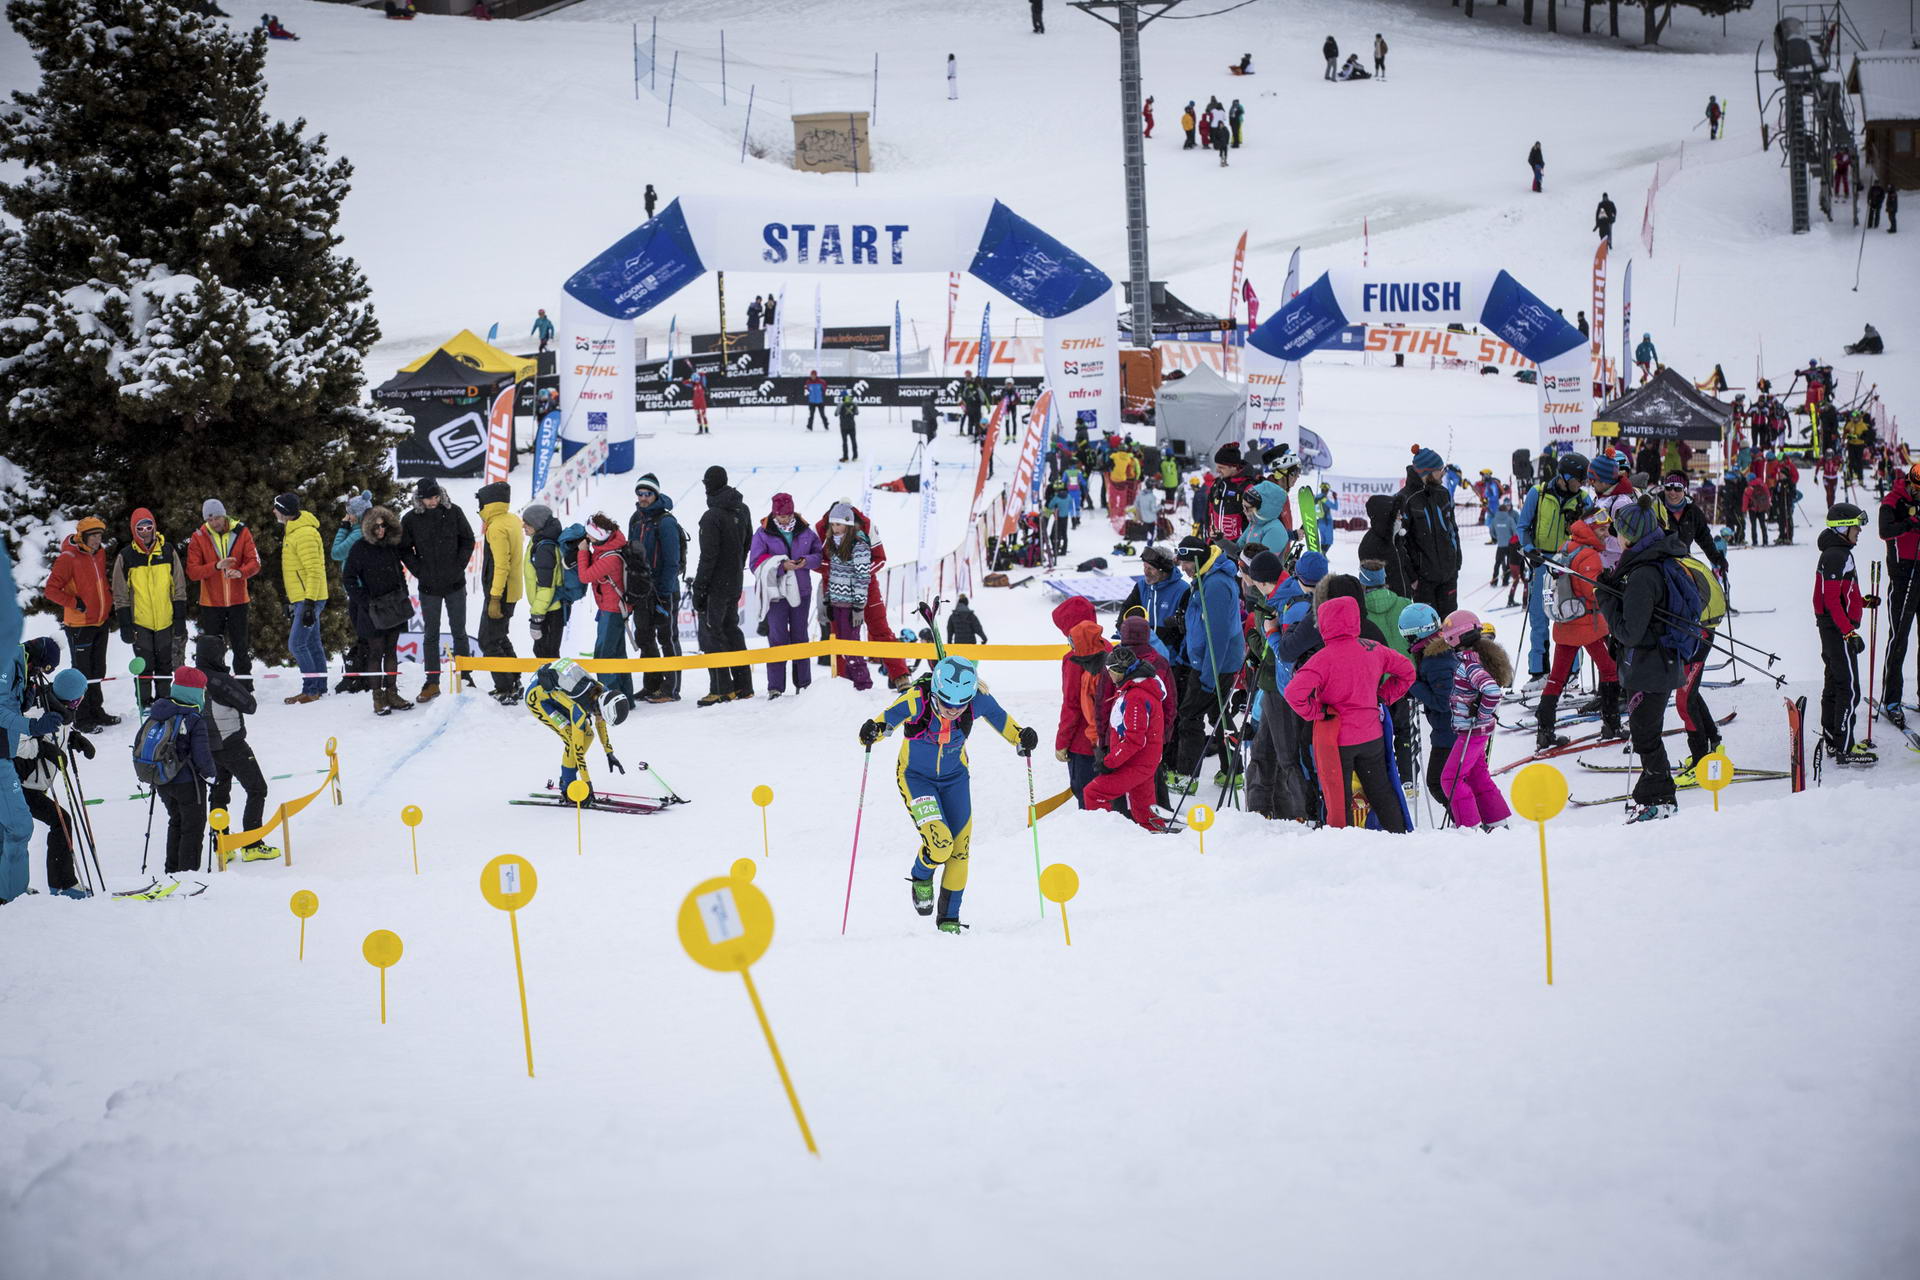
(1418, 621)
(69, 685)
(907, 635)
(955, 680)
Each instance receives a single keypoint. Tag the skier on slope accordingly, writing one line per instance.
(1837, 606)
(935, 715)
(566, 699)
(1604, 216)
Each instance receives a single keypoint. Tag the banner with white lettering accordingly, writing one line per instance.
(1083, 364)
(1353, 491)
(595, 355)
(953, 300)
(1598, 337)
(1273, 397)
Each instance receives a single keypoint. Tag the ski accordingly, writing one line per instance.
(1773, 776)
(1741, 613)
(1722, 684)
(1739, 770)
(1560, 722)
(160, 891)
(1591, 741)
(623, 797)
(599, 806)
(1797, 741)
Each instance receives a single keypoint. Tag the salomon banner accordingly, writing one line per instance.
(596, 371)
(1495, 301)
(449, 437)
(777, 392)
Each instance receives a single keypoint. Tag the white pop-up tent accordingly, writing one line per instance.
(1201, 412)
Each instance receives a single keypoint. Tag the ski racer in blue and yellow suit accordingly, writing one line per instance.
(567, 700)
(935, 714)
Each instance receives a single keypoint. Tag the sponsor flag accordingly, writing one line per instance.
(673, 327)
(1252, 300)
(898, 371)
(1233, 303)
(1626, 327)
(953, 300)
(986, 341)
(816, 317)
(779, 325)
(493, 332)
(544, 445)
(929, 507)
(1292, 287)
(1029, 476)
(986, 449)
(1598, 342)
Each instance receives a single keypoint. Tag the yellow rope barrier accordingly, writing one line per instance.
(781, 653)
(234, 840)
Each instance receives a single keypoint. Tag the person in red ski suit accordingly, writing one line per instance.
(1136, 735)
(1146, 111)
(878, 628)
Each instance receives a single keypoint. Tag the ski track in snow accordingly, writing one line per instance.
(1319, 1054)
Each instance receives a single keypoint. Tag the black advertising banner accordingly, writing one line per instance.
(867, 337)
(742, 364)
(449, 437)
(773, 392)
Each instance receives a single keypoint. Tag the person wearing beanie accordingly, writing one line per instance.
(183, 792)
(546, 568)
(303, 580)
(359, 502)
(1276, 784)
(848, 560)
(1086, 693)
(501, 580)
(221, 557)
(600, 560)
(783, 557)
(380, 604)
(226, 708)
(1546, 518)
(436, 543)
(1215, 649)
(1633, 600)
(78, 583)
(654, 532)
(1220, 509)
(1135, 737)
(1429, 536)
(726, 534)
(40, 756)
(1480, 682)
(150, 603)
(848, 412)
(963, 625)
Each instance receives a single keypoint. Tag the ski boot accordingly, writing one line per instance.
(950, 926)
(1544, 738)
(1684, 776)
(1535, 683)
(1610, 727)
(1182, 782)
(1894, 715)
(258, 851)
(1650, 812)
(922, 894)
(1856, 756)
(949, 921)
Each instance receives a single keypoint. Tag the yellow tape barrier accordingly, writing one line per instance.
(234, 840)
(781, 653)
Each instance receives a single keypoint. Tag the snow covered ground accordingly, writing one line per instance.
(1324, 1054)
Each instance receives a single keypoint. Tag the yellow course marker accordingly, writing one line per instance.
(578, 791)
(219, 819)
(763, 796)
(743, 869)
(1539, 793)
(508, 883)
(304, 904)
(726, 924)
(411, 815)
(382, 949)
(1200, 817)
(1060, 882)
(1714, 771)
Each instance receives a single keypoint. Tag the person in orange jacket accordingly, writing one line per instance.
(221, 558)
(78, 583)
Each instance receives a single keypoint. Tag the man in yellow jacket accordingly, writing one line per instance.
(303, 576)
(500, 574)
(150, 604)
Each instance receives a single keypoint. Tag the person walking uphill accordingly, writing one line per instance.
(849, 561)
(1480, 679)
(1537, 161)
(726, 533)
(1648, 611)
(439, 544)
(179, 770)
(221, 557)
(935, 714)
(303, 580)
(150, 603)
(377, 595)
(79, 584)
(501, 579)
(655, 531)
(1349, 679)
(784, 554)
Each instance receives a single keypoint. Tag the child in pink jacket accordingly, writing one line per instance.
(1479, 682)
(1351, 678)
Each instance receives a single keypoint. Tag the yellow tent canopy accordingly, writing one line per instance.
(469, 347)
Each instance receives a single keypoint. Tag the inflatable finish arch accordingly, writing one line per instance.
(1497, 303)
(843, 237)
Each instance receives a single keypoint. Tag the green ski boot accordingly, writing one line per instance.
(922, 895)
(950, 926)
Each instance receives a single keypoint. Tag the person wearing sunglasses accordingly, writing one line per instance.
(150, 604)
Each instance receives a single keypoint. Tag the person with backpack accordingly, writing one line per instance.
(1837, 610)
(78, 584)
(437, 545)
(23, 719)
(1578, 624)
(726, 535)
(1756, 500)
(1696, 717)
(1546, 516)
(1277, 781)
(963, 625)
(567, 700)
(1348, 680)
(1480, 679)
(173, 754)
(1784, 479)
(150, 603)
(1215, 650)
(546, 569)
(40, 760)
(228, 704)
(1429, 538)
(784, 553)
(656, 533)
(380, 604)
(602, 566)
(1651, 606)
(221, 557)
(935, 715)
(849, 412)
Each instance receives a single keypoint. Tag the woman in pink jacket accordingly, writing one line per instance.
(602, 568)
(1351, 678)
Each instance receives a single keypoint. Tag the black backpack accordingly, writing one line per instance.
(636, 583)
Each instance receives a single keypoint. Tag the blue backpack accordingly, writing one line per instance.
(157, 757)
(569, 588)
(1681, 639)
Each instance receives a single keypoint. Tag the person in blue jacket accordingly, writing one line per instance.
(1161, 594)
(816, 389)
(935, 714)
(19, 720)
(1060, 506)
(542, 328)
(1268, 531)
(656, 531)
(1328, 504)
(1434, 663)
(1215, 648)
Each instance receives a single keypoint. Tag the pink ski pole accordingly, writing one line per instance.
(855, 857)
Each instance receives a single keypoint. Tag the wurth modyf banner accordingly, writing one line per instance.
(596, 382)
(1083, 364)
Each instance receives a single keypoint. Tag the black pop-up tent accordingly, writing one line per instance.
(1667, 407)
(449, 401)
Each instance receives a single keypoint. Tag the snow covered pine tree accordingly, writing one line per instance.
(176, 322)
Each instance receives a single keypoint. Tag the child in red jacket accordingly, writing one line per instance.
(1136, 735)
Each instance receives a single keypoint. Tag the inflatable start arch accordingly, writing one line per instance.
(845, 238)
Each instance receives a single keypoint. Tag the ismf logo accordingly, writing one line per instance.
(596, 422)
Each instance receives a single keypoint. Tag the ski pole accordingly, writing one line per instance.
(74, 852)
(86, 823)
(1665, 616)
(1873, 652)
(858, 813)
(1033, 824)
(147, 845)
